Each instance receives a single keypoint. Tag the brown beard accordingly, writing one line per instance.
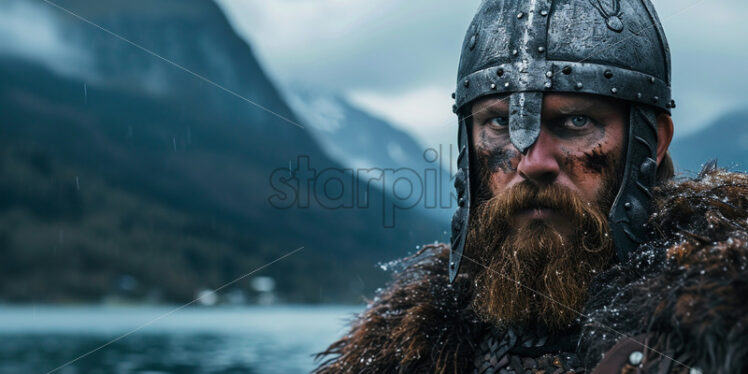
(533, 273)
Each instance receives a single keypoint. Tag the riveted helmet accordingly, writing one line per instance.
(524, 49)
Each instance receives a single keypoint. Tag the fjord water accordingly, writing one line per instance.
(273, 339)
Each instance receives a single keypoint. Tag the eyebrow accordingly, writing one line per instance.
(495, 111)
(490, 108)
(577, 107)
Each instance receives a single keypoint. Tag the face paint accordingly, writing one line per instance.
(494, 154)
(596, 161)
(500, 160)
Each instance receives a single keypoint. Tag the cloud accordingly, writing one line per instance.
(425, 112)
(348, 45)
(29, 31)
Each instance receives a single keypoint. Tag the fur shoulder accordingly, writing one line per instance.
(686, 288)
(418, 324)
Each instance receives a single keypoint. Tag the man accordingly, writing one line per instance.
(572, 248)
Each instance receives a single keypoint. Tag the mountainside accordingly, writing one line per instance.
(117, 165)
(360, 140)
(725, 139)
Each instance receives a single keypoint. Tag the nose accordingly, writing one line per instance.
(540, 165)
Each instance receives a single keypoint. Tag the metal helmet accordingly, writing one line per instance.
(615, 48)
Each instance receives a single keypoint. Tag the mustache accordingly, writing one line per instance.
(525, 195)
(496, 215)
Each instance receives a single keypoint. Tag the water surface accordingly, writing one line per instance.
(193, 340)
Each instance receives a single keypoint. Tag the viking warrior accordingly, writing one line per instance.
(574, 248)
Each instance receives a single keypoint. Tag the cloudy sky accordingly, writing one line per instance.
(398, 58)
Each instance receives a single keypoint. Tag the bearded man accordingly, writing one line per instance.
(573, 248)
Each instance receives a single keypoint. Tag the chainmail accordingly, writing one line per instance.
(520, 351)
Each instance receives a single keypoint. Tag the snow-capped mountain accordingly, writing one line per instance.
(360, 140)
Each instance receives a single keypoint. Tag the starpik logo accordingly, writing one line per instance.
(301, 186)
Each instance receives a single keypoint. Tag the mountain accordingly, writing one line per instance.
(124, 174)
(725, 139)
(360, 140)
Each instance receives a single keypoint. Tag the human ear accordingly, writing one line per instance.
(664, 135)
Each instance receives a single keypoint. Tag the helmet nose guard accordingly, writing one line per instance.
(524, 119)
(524, 49)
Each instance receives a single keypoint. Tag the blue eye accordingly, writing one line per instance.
(499, 122)
(580, 121)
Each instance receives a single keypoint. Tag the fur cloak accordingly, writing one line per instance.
(686, 291)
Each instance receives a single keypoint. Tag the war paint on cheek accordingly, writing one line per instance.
(500, 160)
(496, 157)
(596, 161)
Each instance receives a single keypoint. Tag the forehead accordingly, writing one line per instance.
(556, 103)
